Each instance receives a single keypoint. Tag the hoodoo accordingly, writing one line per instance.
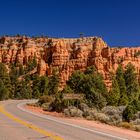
(67, 55)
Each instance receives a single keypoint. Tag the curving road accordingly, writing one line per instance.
(16, 123)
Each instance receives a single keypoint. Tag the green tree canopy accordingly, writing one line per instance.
(4, 93)
(53, 83)
(32, 63)
(132, 85)
(76, 80)
(114, 94)
(91, 84)
(122, 87)
(44, 85)
(23, 90)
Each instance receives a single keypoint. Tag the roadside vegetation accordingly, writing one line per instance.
(120, 106)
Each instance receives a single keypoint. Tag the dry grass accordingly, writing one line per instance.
(126, 125)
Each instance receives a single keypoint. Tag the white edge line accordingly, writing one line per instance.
(20, 106)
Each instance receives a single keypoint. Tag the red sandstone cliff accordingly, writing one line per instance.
(67, 55)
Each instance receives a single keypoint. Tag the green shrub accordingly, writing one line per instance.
(114, 94)
(129, 112)
(67, 89)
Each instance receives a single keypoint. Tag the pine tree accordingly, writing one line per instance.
(21, 70)
(122, 87)
(17, 89)
(23, 90)
(3, 71)
(44, 85)
(123, 100)
(4, 93)
(91, 84)
(120, 79)
(13, 78)
(95, 99)
(4, 76)
(32, 63)
(53, 84)
(36, 86)
(93, 79)
(128, 113)
(67, 89)
(36, 94)
(76, 80)
(132, 86)
(130, 110)
(26, 91)
(114, 95)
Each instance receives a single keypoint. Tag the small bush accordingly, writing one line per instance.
(110, 110)
(46, 107)
(45, 99)
(137, 116)
(57, 106)
(73, 112)
(136, 122)
(137, 128)
(84, 107)
(89, 113)
(128, 113)
(125, 125)
(90, 118)
(121, 109)
(101, 117)
(114, 113)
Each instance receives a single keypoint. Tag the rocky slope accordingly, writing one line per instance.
(68, 55)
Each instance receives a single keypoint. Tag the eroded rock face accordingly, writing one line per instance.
(67, 55)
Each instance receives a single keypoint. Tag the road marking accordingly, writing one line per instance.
(31, 126)
(20, 106)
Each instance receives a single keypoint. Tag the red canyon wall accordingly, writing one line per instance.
(67, 55)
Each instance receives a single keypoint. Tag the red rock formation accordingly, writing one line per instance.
(67, 55)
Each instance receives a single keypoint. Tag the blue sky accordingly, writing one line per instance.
(116, 21)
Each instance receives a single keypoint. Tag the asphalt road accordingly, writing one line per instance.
(16, 123)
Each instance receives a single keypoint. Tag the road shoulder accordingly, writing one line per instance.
(129, 134)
